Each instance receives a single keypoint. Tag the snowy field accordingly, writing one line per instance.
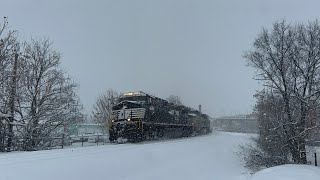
(207, 157)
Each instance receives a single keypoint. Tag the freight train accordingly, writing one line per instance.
(139, 116)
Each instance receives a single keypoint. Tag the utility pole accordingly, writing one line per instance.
(12, 100)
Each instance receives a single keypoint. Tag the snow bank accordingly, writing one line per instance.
(289, 172)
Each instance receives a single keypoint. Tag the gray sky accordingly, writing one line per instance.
(189, 48)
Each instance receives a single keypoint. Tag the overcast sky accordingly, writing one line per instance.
(192, 49)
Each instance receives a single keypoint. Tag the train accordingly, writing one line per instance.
(138, 116)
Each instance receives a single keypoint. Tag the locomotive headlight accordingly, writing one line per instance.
(112, 120)
(129, 119)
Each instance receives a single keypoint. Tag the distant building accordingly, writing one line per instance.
(239, 123)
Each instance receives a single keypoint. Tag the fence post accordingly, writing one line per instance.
(103, 139)
(98, 140)
(315, 159)
(62, 141)
(82, 140)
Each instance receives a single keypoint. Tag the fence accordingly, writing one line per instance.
(88, 140)
(47, 143)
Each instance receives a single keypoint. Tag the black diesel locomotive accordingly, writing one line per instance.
(139, 116)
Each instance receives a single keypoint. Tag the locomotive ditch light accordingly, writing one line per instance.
(129, 119)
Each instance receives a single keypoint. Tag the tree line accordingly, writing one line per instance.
(286, 58)
(38, 100)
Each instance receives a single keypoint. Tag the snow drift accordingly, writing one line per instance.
(288, 172)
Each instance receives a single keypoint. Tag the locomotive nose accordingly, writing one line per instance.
(120, 126)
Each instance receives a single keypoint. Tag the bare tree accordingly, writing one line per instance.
(271, 147)
(287, 59)
(8, 81)
(102, 109)
(176, 100)
(8, 44)
(37, 100)
(48, 100)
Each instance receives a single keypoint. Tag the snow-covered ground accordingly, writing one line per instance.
(289, 172)
(207, 157)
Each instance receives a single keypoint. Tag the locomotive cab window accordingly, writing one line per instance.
(140, 99)
(126, 105)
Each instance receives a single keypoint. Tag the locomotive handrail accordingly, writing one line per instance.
(171, 124)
